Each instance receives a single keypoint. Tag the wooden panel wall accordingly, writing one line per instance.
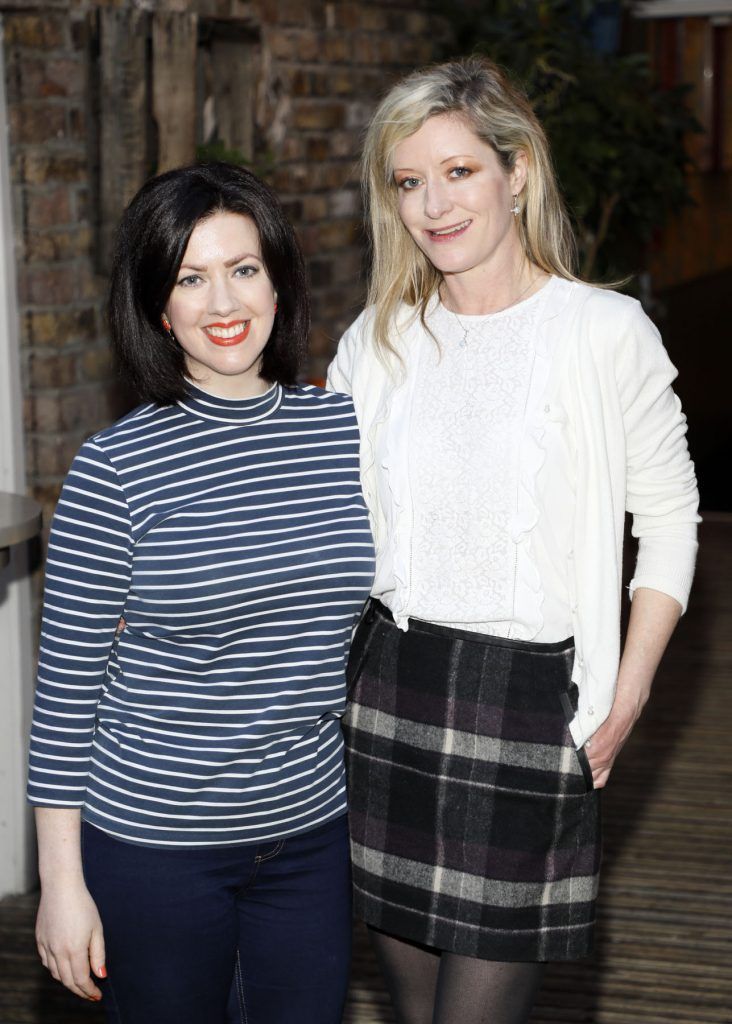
(146, 80)
(174, 41)
(123, 116)
(724, 92)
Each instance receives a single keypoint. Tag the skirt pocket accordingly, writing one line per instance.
(569, 708)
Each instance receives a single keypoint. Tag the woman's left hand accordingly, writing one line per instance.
(607, 742)
(653, 617)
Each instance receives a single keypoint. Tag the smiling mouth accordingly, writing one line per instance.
(228, 334)
(450, 232)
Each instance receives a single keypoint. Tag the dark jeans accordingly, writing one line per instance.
(255, 934)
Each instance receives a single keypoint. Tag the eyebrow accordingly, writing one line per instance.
(227, 263)
(447, 160)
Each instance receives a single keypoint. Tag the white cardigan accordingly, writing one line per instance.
(610, 387)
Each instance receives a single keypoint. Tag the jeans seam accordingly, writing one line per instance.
(240, 990)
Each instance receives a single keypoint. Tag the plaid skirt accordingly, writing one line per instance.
(474, 825)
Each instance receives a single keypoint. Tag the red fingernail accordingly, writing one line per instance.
(102, 972)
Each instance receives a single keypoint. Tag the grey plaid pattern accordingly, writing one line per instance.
(474, 827)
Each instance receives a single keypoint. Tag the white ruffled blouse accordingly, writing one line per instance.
(483, 548)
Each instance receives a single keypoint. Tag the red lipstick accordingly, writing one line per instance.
(223, 335)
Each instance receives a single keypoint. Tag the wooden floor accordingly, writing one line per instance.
(665, 933)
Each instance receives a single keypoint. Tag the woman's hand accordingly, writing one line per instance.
(70, 939)
(68, 929)
(607, 742)
(653, 617)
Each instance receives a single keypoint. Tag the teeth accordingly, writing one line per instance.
(227, 332)
(450, 231)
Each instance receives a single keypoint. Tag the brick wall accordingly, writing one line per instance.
(64, 353)
(333, 65)
(323, 64)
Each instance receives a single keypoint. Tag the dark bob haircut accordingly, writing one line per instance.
(151, 242)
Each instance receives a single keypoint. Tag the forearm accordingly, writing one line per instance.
(653, 618)
(59, 845)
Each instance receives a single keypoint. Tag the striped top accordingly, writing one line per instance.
(233, 538)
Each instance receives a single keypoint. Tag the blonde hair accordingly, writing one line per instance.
(500, 115)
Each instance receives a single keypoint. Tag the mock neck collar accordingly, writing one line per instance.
(206, 406)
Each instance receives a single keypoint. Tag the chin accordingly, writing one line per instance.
(449, 263)
(454, 266)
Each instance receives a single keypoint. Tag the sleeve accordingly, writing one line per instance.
(87, 580)
(661, 491)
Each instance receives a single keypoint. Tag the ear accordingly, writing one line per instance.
(517, 177)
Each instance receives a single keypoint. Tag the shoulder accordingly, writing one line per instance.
(353, 352)
(360, 334)
(121, 438)
(143, 420)
(605, 324)
(611, 341)
(602, 306)
(309, 398)
(609, 312)
(358, 349)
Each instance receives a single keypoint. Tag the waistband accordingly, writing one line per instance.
(375, 608)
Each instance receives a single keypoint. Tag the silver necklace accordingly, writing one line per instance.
(464, 340)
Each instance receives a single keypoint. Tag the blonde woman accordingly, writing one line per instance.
(510, 414)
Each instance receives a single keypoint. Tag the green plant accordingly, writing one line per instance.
(616, 137)
(218, 150)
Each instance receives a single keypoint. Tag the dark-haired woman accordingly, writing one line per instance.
(188, 773)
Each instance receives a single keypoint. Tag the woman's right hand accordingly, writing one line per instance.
(70, 939)
(68, 928)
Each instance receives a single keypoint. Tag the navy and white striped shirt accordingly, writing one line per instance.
(233, 538)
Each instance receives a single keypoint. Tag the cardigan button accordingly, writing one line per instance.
(590, 711)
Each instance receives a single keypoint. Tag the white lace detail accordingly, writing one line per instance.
(475, 454)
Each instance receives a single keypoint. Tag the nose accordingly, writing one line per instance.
(223, 299)
(436, 199)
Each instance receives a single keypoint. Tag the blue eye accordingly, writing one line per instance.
(190, 280)
(461, 172)
(246, 271)
(408, 184)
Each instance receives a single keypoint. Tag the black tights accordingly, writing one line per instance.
(430, 987)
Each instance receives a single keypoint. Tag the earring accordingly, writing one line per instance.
(515, 209)
(166, 323)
